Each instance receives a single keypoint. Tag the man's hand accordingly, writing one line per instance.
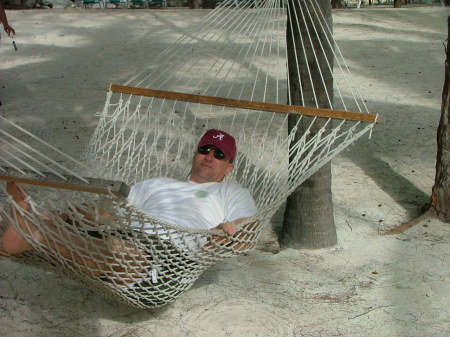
(9, 30)
(228, 227)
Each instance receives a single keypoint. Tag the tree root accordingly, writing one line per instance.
(429, 213)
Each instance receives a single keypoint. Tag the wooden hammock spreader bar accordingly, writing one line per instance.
(272, 107)
(97, 186)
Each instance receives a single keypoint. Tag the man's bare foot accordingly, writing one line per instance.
(17, 192)
(13, 242)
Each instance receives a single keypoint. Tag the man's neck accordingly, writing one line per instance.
(202, 182)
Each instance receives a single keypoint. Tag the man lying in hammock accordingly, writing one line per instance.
(202, 202)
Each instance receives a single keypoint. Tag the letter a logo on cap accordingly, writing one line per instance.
(220, 136)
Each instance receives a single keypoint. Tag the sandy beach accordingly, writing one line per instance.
(370, 284)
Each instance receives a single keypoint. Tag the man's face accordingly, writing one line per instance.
(206, 168)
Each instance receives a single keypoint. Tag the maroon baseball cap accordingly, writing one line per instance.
(220, 139)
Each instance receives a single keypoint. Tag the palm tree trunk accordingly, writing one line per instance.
(440, 195)
(308, 218)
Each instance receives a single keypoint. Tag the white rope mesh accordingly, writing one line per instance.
(237, 52)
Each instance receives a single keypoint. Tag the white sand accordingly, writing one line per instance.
(368, 285)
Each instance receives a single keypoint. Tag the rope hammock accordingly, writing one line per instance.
(230, 73)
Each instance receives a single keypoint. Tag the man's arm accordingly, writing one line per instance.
(8, 29)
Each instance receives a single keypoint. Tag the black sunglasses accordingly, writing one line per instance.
(207, 149)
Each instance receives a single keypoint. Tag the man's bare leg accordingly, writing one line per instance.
(103, 253)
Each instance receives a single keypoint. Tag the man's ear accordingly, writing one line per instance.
(229, 168)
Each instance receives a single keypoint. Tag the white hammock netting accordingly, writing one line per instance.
(239, 52)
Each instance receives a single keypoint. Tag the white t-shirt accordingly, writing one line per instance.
(190, 204)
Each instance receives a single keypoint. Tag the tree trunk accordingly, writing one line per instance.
(194, 4)
(209, 4)
(309, 219)
(440, 195)
(337, 4)
(398, 3)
